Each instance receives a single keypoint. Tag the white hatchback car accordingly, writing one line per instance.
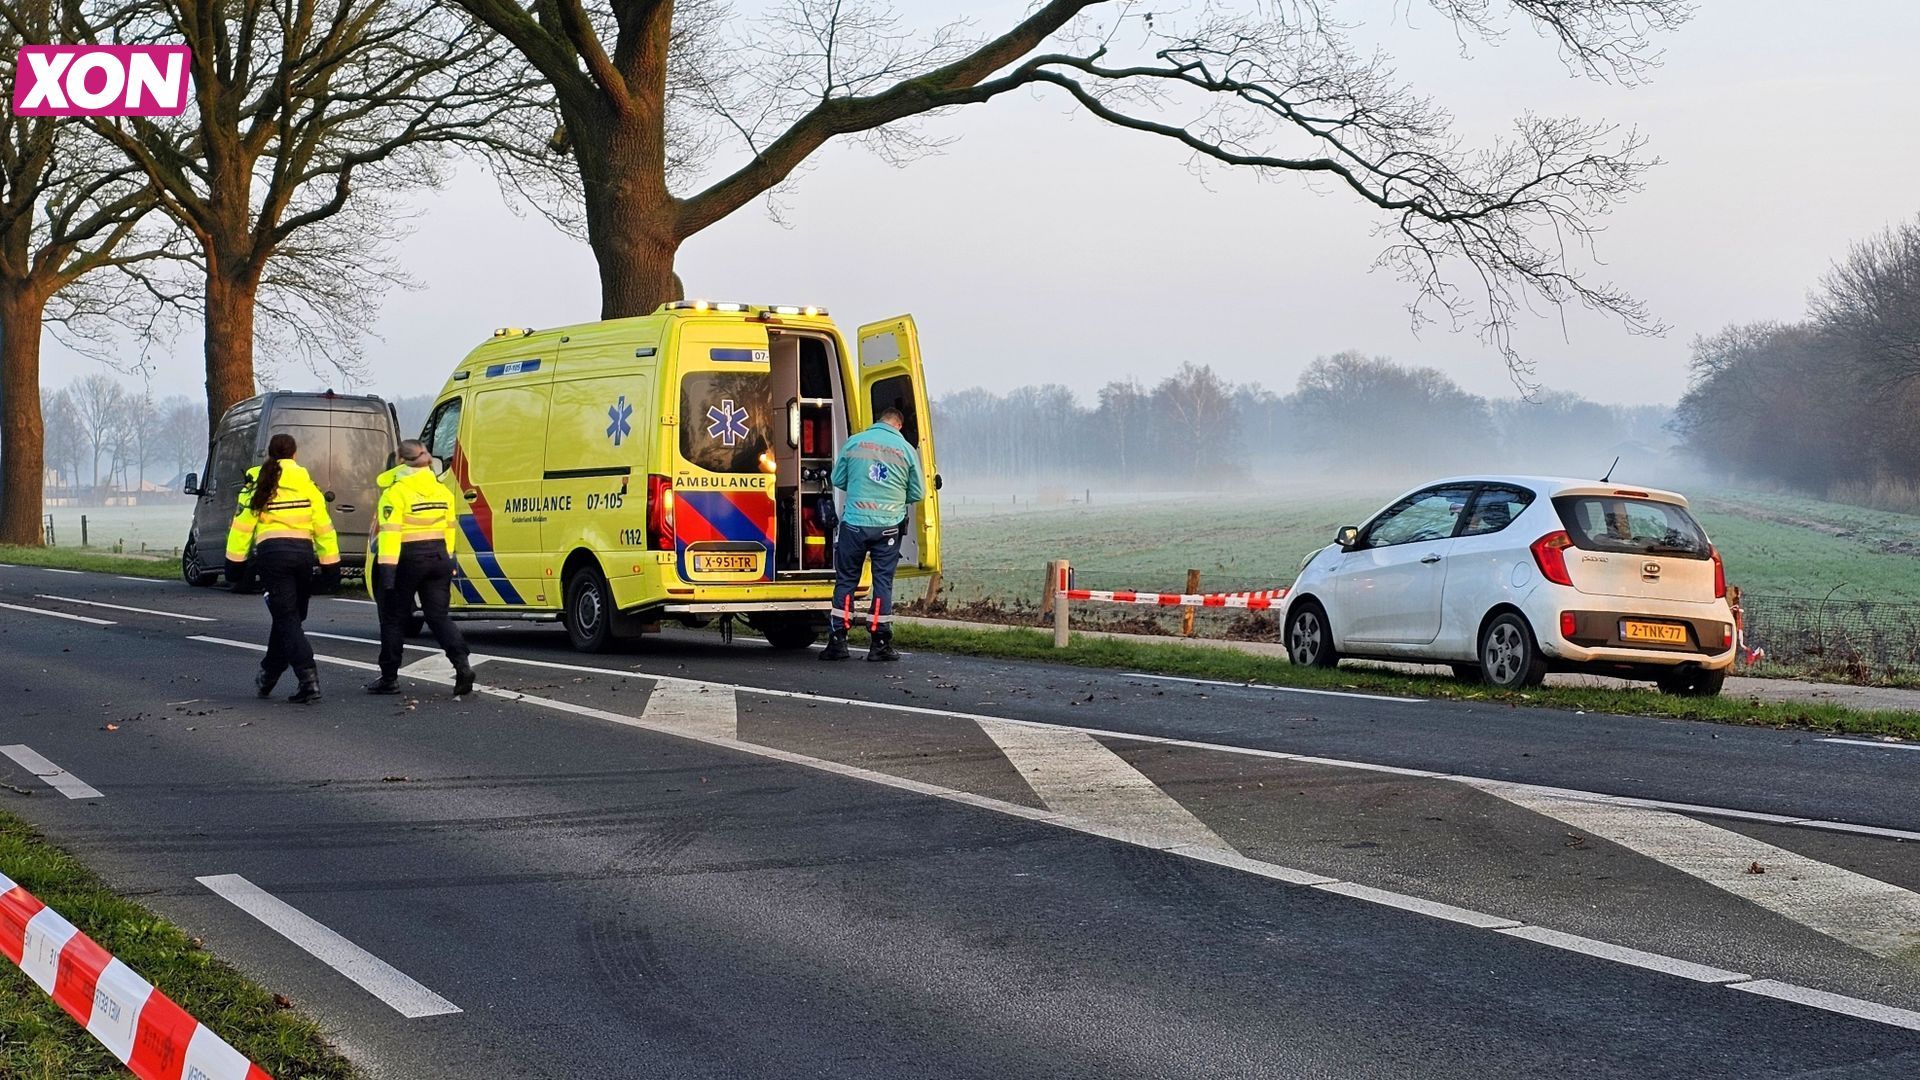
(1509, 577)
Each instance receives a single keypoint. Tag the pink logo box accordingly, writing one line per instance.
(100, 80)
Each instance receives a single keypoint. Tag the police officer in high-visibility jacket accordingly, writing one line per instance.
(414, 537)
(283, 530)
(880, 473)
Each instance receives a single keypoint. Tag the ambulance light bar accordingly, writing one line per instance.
(513, 331)
(790, 309)
(704, 305)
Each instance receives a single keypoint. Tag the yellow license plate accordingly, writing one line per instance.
(726, 562)
(1656, 633)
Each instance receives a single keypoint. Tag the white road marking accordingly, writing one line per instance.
(56, 777)
(708, 711)
(141, 580)
(57, 570)
(372, 974)
(435, 668)
(1861, 1009)
(1876, 744)
(1075, 774)
(351, 600)
(369, 641)
(123, 607)
(1860, 911)
(1620, 954)
(1419, 905)
(250, 646)
(1276, 689)
(1224, 748)
(1838, 1003)
(57, 614)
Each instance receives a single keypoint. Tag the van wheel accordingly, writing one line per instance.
(589, 616)
(790, 635)
(1310, 637)
(1509, 656)
(195, 574)
(1692, 682)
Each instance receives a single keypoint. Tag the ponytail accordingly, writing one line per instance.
(279, 448)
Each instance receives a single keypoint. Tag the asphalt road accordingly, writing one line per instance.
(697, 859)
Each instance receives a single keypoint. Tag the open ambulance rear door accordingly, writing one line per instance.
(890, 377)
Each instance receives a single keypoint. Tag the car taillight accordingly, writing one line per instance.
(1549, 555)
(1719, 575)
(1569, 625)
(660, 512)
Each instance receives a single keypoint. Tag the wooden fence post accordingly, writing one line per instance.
(1186, 614)
(1063, 576)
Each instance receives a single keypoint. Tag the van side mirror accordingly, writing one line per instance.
(1348, 537)
(192, 486)
(393, 458)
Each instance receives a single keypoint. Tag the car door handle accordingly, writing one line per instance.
(1430, 557)
(470, 495)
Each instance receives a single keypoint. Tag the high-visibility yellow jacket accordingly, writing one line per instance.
(414, 505)
(246, 488)
(298, 512)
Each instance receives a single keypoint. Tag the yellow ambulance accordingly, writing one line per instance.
(673, 467)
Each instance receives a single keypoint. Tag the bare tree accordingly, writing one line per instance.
(182, 433)
(1870, 303)
(64, 438)
(100, 407)
(69, 208)
(307, 121)
(1281, 88)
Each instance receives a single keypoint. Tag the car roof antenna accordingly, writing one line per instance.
(1610, 468)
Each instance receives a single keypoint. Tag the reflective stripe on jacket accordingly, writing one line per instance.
(881, 475)
(298, 512)
(414, 505)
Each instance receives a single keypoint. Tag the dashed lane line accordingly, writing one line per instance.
(141, 580)
(1860, 911)
(1276, 689)
(1076, 774)
(55, 777)
(1876, 744)
(369, 972)
(1221, 856)
(57, 570)
(711, 712)
(123, 607)
(89, 620)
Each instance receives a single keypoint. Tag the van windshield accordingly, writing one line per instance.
(1631, 526)
(725, 418)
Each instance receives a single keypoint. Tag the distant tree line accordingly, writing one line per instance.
(104, 437)
(1347, 412)
(1829, 404)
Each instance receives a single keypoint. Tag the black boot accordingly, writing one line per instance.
(836, 646)
(462, 677)
(385, 684)
(309, 691)
(882, 649)
(263, 682)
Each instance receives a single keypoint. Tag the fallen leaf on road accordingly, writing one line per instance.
(1575, 840)
(110, 727)
(1756, 868)
(282, 1001)
(394, 779)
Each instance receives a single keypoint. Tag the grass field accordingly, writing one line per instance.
(1773, 545)
(161, 526)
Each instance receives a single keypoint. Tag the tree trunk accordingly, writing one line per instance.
(632, 221)
(229, 339)
(22, 429)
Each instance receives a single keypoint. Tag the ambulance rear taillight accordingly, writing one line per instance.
(660, 512)
(813, 538)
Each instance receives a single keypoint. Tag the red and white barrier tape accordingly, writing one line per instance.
(141, 1026)
(1252, 601)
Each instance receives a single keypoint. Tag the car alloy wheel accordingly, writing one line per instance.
(1309, 640)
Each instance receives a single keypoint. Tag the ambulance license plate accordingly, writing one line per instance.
(1653, 633)
(727, 562)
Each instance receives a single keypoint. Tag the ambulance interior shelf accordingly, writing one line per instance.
(803, 373)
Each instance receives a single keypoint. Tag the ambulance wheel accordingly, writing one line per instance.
(589, 615)
(195, 574)
(791, 635)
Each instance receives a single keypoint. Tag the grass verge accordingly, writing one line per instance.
(80, 559)
(1015, 643)
(40, 1042)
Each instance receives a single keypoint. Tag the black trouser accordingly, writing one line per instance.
(855, 545)
(284, 568)
(425, 568)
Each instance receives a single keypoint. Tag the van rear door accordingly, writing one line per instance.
(890, 377)
(723, 478)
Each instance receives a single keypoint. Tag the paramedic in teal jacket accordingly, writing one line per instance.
(880, 473)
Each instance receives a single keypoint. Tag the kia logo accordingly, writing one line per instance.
(1651, 569)
(100, 80)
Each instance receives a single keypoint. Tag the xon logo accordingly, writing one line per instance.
(100, 80)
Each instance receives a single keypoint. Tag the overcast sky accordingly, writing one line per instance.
(1044, 246)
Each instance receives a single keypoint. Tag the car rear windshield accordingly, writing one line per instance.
(1631, 525)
